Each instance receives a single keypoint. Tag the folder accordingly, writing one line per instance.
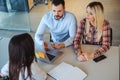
(65, 71)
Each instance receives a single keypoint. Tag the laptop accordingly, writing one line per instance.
(49, 56)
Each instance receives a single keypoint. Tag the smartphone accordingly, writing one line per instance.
(97, 59)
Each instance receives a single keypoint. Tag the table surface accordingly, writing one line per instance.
(107, 69)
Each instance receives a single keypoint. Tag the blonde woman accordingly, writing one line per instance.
(93, 29)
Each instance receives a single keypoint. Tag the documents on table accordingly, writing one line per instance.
(65, 71)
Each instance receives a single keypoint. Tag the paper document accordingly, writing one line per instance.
(66, 71)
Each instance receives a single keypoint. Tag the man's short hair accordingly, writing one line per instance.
(57, 2)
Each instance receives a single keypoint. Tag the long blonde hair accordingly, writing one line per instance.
(98, 13)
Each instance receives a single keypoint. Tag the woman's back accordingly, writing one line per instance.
(22, 65)
(37, 73)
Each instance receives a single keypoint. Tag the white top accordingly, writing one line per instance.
(37, 73)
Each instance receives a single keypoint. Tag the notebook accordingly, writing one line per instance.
(66, 71)
(49, 56)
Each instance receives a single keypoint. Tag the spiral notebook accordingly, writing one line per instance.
(66, 71)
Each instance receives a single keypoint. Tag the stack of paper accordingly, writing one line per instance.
(66, 71)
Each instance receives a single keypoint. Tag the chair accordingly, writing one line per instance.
(51, 38)
(111, 34)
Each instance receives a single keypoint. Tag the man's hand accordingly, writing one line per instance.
(57, 46)
(45, 46)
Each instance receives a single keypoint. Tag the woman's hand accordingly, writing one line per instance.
(79, 52)
(2, 75)
(85, 57)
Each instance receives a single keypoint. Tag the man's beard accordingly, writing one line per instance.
(57, 17)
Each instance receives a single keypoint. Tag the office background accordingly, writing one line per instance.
(78, 7)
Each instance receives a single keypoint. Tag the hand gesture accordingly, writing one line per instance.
(57, 46)
(45, 46)
(85, 57)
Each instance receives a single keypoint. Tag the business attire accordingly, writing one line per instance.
(37, 73)
(62, 30)
(91, 37)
